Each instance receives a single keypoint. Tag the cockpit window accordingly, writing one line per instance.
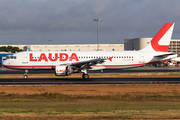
(11, 57)
(8, 57)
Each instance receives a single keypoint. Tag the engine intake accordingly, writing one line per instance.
(63, 70)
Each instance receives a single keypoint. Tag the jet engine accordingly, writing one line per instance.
(63, 70)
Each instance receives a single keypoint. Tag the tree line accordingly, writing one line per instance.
(10, 49)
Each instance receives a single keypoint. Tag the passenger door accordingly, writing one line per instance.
(141, 57)
(25, 58)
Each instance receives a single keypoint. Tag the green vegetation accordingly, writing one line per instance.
(135, 105)
(172, 96)
(10, 49)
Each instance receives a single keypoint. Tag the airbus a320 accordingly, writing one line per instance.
(64, 63)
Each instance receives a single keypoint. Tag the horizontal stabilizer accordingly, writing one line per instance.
(165, 55)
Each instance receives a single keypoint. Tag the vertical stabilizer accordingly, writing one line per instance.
(160, 42)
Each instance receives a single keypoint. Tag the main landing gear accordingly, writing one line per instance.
(85, 76)
(25, 74)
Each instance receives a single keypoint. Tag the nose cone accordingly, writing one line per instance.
(5, 63)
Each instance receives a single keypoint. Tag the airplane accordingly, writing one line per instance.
(64, 63)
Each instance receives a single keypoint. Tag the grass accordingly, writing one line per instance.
(136, 105)
(173, 96)
(114, 105)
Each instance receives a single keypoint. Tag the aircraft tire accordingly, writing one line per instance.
(25, 77)
(85, 76)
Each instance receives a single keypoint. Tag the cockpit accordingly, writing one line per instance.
(11, 57)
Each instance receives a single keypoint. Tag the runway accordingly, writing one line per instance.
(66, 80)
(95, 71)
(139, 69)
(61, 81)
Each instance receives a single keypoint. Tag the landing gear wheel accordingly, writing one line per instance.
(25, 76)
(85, 76)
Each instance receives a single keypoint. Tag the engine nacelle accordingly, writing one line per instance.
(63, 70)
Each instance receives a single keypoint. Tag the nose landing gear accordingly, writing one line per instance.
(25, 74)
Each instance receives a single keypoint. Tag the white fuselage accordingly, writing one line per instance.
(112, 59)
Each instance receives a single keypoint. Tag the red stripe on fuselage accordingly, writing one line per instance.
(34, 66)
(19, 66)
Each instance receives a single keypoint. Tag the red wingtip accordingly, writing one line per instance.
(110, 58)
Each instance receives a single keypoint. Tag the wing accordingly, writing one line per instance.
(84, 64)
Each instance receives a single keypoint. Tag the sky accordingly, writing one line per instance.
(29, 22)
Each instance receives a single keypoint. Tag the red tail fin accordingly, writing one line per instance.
(161, 40)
